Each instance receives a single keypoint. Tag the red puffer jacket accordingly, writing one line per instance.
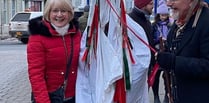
(47, 55)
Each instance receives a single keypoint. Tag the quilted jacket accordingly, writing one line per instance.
(48, 54)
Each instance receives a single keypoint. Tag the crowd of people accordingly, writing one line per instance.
(179, 36)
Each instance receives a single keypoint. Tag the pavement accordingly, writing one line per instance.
(14, 85)
(161, 91)
(14, 82)
(4, 36)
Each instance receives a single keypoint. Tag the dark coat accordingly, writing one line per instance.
(192, 60)
(140, 18)
(83, 21)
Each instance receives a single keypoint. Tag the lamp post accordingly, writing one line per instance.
(87, 2)
(155, 6)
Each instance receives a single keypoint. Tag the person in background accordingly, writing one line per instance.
(161, 26)
(54, 37)
(83, 19)
(141, 14)
(187, 54)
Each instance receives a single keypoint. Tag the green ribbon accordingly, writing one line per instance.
(126, 74)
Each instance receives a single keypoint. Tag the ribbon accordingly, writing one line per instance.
(92, 35)
(151, 78)
(123, 23)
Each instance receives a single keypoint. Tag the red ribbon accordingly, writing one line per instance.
(151, 78)
(120, 93)
(93, 35)
(123, 23)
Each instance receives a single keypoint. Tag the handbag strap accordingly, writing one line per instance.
(68, 64)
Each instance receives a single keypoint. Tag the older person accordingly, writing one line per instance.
(187, 53)
(54, 43)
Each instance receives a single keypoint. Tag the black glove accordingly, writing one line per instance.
(166, 60)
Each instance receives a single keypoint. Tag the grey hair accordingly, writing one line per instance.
(65, 4)
(192, 7)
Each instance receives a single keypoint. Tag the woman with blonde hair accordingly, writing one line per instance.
(53, 52)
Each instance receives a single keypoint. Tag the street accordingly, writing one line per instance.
(14, 83)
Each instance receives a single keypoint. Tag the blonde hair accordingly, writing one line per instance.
(64, 4)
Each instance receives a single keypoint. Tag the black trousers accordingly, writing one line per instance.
(155, 87)
(71, 100)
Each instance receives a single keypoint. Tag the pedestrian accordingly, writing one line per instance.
(161, 26)
(141, 14)
(53, 44)
(83, 19)
(187, 54)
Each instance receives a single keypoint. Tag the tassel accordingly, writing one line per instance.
(131, 56)
(93, 34)
(151, 78)
(85, 55)
(126, 74)
(120, 93)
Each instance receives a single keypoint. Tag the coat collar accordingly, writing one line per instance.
(188, 32)
(71, 30)
(43, 27)
(138, 13)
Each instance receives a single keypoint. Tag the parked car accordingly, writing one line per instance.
(18, 26)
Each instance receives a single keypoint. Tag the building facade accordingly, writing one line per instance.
(9, 8)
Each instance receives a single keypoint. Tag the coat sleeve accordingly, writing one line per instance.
(36, 69)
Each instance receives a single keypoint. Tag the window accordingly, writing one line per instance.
(4, 12)
(13, 7)
(21, 17)
(36, 6)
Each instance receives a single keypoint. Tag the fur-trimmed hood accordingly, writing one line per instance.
(43, 27)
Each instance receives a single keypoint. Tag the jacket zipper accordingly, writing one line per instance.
(70, 59)
(65, 47)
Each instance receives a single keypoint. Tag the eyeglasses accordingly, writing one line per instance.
(56, 11)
